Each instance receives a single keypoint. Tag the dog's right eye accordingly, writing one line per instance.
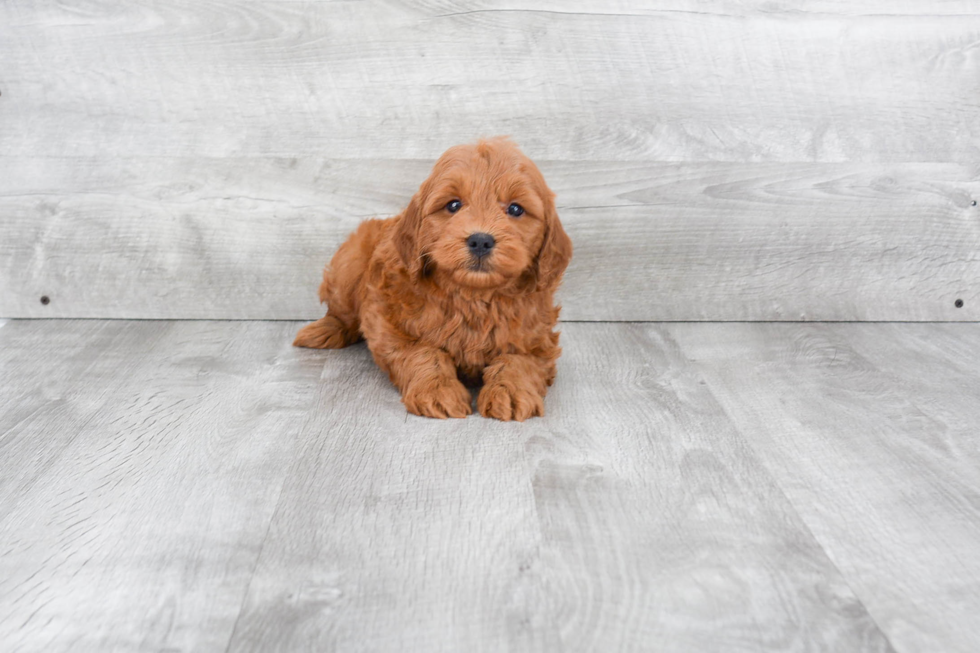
(454, 206)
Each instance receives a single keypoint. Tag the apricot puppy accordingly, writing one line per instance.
(458, 287)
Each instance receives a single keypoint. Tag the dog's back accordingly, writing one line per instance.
(341, 291)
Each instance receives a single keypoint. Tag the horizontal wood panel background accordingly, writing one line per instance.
(247, 238)
(677, 81)
(713, 161)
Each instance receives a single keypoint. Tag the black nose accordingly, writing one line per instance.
(480, 244)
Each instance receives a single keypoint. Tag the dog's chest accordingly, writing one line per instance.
(476, 332)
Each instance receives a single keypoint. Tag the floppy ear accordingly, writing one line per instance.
(556, 251)
(407, 236)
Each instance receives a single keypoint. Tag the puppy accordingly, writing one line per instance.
(457, 288)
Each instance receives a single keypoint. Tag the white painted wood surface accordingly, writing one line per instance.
(715, 161)
(205, 486)
(247, 238)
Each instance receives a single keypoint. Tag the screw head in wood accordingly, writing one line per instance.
(45, 300)
(958, 303)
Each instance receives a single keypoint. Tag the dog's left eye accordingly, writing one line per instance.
(454, 206)
(515, 210)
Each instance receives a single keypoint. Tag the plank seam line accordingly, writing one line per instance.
(789, 502)
(542, 545)
(255, 566)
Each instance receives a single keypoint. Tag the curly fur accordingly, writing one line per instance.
(432, 317)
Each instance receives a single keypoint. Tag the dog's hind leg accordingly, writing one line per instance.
(326, 333)
(342, 291)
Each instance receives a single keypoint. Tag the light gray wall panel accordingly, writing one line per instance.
(246, 238)
(714, 161)
(684, 80)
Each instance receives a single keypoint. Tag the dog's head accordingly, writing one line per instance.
(485, 218)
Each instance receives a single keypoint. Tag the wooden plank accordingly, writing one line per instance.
(55, 378)
(631, 517)
(661, 528)
(872, 81)
(144, 531)
(396, 532)
(884, 472)
(246, 238)
(935, 365)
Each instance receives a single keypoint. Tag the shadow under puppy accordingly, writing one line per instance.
(459, 286)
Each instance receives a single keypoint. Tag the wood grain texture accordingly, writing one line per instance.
(870, 81)
(246, 238)
(174, 159)
(397, 532)
(662, 529)
(236, 494)
(55, 378)
(871, 432)
(567, 533)
(143, 532)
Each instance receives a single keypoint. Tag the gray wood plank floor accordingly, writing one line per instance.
(694, 487)
(871, 431)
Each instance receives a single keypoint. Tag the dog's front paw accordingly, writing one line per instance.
(508, 402)
(440, 398)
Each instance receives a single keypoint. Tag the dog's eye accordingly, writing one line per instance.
(454, 206)
(515, 210)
